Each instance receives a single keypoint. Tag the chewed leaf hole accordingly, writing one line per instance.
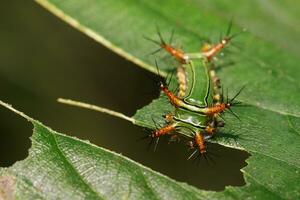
(14, 138)
(221, 169)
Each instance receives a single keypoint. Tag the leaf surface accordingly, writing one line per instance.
(267, 63)
(64, 167)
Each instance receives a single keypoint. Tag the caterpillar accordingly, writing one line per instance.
(199, 104)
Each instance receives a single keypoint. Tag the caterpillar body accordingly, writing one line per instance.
(199, 103)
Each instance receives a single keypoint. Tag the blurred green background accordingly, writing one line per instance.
(42, 58)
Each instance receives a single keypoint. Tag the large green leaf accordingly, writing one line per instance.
(267, 63)
(63, 167)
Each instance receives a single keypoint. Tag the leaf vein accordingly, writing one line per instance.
(68, 162)
(269, 156)
(262, 185)
(292, 125)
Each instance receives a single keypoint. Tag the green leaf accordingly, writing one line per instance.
(268, 67)
(272, 139)
(63, 167)
(267, 63)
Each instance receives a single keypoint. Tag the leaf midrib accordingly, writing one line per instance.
(69, 163)
(132, 162)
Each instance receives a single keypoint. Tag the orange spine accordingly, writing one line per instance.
(169, 117)
(177, 53)
(164, 130)
(200, 142)
(210, 130)
(174, 100)
(213, 51)
(215, 109)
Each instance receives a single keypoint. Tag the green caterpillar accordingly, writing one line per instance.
(197, 105)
